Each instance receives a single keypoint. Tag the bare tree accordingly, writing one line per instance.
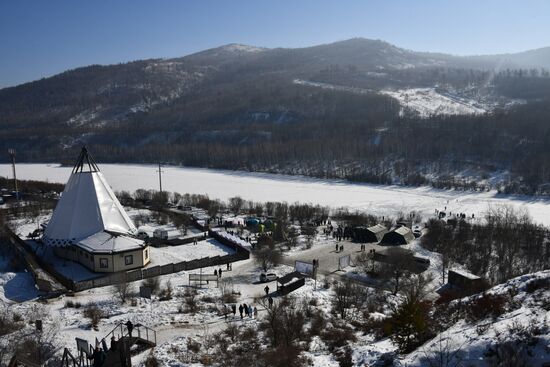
(416, 287)
(309, 232)
(123, 289)
(266, 254)
(236, 204)
(397, 264)
(153, 283)
(442, 353)
(292, 237)
(348, 295)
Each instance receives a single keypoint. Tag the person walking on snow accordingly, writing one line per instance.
(266, 289)
(130, 327)
(241, 311)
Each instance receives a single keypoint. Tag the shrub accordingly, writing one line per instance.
(487, 305)
(318, 323)
(284, 356)
(409, 325)
(226, 287)
(537, 284)
(151, 360)
(165, 293)
(152, 283)
(208, 299)
(344, 356)
(123, 290)
(190, 302)
(93, 313)
(338, 336)
(193, 346)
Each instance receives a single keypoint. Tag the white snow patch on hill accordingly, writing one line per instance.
(237, 47)
(429, 102)
(341, 88)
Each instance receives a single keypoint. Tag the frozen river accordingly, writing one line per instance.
(376, 199)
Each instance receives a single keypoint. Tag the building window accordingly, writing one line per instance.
(146, 254)
(103, 262)
(129, 259)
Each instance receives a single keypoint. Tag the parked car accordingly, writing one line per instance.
(269, 277)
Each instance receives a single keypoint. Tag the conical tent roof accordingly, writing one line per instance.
(88, 205)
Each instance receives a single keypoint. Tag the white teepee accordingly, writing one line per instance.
(87, 206)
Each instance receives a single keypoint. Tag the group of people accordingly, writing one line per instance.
(246, 310)
(99, 355)
(218, 272)
(339, 233)
(339, 248)
(443, 214)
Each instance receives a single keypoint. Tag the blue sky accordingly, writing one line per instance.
(40, 38)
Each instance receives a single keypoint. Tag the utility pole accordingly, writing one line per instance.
(11, 152)
(160, 177)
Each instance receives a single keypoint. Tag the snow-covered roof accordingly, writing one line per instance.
(404, 231)
(88, 205)
(104, 242)
(232, 238)
(465, 274)
(377, 228)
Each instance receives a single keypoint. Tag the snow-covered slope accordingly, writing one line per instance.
(428, 102)
(521, 333)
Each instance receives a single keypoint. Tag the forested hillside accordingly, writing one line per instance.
(358, 109)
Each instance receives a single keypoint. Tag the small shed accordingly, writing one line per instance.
(465, 280)
(369, 234)
(290, 282)
(399, 236)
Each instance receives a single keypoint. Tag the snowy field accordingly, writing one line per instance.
(375, 199)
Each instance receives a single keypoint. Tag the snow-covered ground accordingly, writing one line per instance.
(328, 86)
(375, 199)
(428, 102)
